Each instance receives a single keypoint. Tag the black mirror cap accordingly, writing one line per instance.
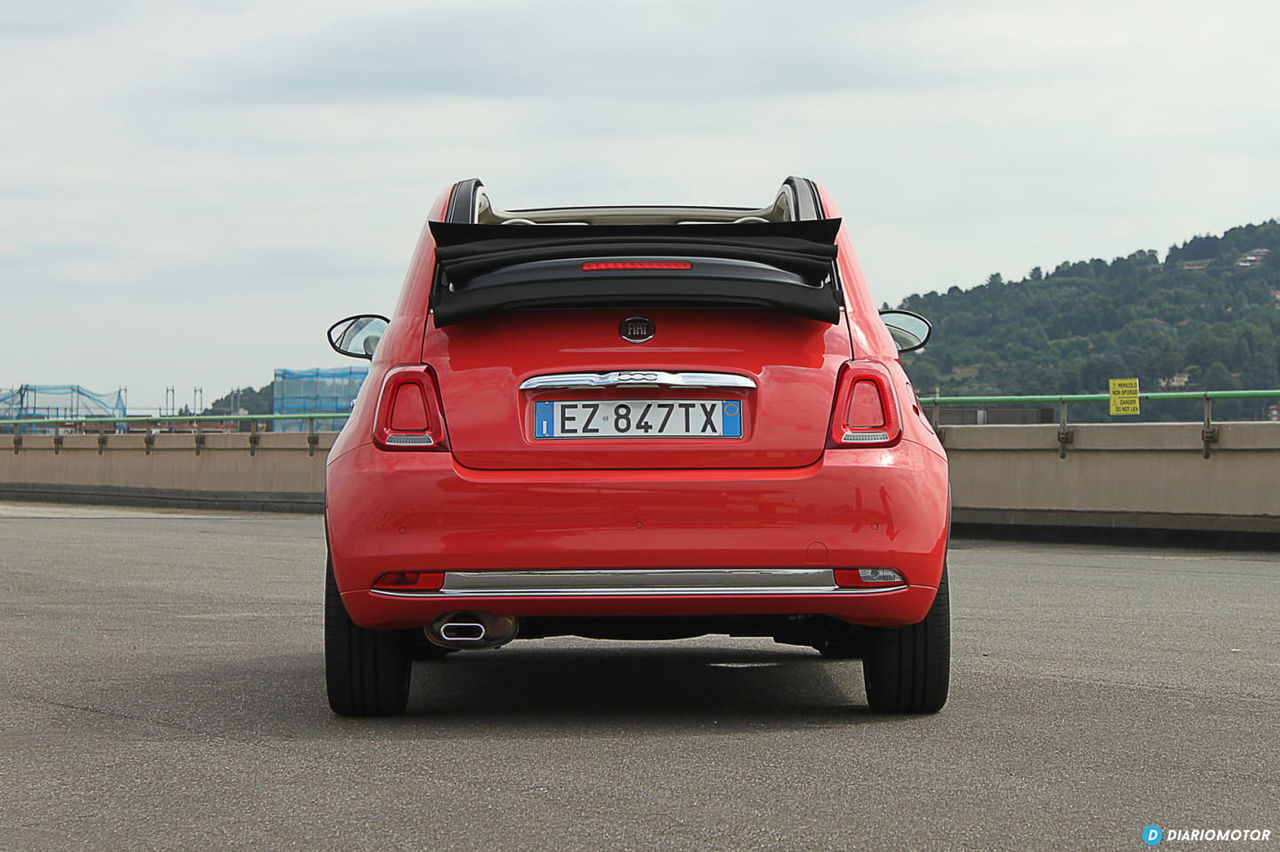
(343, 334)
(909, 330)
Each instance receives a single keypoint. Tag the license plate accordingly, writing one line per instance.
(638, 418)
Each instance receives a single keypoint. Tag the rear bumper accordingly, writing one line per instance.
(423, 512)
(904, 605)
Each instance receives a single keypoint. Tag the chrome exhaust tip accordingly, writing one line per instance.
(462, 631)
(459, 630)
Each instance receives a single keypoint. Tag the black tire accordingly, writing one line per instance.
(908, 669)
(422, 649)
(366, 671)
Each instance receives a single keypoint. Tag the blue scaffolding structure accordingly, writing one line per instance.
(45, 405)
(329, 390)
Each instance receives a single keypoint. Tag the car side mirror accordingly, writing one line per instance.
(358, 336)
(909, 331)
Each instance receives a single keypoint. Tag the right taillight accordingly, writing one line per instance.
(866, 408)
(409, 412)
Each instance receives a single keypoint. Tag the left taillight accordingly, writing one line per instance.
(409, 411)
(866, 408)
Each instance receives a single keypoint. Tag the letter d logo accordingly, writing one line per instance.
(1152, 835)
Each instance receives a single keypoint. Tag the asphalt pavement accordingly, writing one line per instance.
(161, 687)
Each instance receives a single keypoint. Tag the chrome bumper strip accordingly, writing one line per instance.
(637, 378)
(643, 579)
(639, 582)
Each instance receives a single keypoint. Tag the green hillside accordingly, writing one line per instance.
(1207, 317)
(250, 400)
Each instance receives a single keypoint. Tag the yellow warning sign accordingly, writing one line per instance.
(1124, 396)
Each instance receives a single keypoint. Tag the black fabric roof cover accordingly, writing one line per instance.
(470, 254)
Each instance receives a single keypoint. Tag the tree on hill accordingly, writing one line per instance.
(1196, 248)
(1070, 330)
(251, 401)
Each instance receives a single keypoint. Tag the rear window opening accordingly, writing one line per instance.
(794, 201)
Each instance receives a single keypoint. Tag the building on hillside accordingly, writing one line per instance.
(321, 390)
(1253, 257)
(1174, 382)
(1196, 264)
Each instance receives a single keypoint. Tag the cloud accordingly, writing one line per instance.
(623, 51)
(60, 18)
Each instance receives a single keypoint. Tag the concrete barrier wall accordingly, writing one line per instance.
(1151, 475)
(1133, 475)
(281, 471)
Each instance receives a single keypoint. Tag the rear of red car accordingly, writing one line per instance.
(636, 423)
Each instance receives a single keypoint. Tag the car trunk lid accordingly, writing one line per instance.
(737, 388)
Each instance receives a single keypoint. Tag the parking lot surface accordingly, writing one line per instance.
(163, 688)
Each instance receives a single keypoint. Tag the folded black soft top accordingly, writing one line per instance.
(777, 265)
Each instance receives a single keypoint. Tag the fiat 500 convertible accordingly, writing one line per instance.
(635, 423)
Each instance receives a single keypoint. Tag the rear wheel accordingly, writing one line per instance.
(907, 669)
(366, 671)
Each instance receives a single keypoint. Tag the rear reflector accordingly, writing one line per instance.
(846, 577)
(636, 264)
(424, 580)
(871, 436)
(410, 440)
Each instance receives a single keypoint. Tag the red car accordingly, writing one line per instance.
(635, 423)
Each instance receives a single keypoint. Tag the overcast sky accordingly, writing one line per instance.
(192, 191)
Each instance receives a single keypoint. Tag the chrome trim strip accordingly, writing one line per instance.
(649, 579)
(640, 582)
(643, 593)
(638, 378)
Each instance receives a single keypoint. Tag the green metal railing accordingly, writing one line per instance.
(159, 419)
(149, 426)
(1055, 399)
(1208, 431)
(195, 424)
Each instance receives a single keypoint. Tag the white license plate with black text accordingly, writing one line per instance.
(638, 418)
